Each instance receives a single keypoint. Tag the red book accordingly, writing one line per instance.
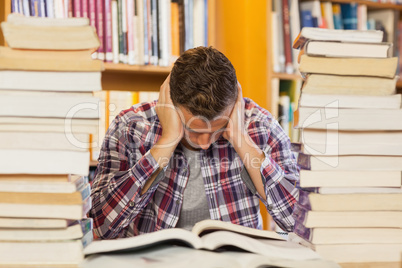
(108, 31)
(77, 8)
(92, 20)
(70, 8)
(84, 8)
(99, 28)
(286, 37)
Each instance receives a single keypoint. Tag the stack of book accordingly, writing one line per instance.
(350, 209)
(47, 113)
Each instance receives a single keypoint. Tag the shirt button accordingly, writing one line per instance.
(269, 207)
(177, 202)
(131, 203)
(184, 170)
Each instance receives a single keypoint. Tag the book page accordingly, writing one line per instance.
(161, 256)
(207, 226)
(248, 260)
(166, 236)
(265, 247)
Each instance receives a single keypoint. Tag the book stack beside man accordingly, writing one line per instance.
(350, 209)
(47, 113)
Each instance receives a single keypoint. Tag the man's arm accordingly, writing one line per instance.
(273, 177)
(121, 192)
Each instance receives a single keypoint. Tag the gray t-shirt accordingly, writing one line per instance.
(195, 206)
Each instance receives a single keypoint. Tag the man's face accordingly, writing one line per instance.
(200, 133)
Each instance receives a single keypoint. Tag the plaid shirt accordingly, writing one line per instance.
(125, 164)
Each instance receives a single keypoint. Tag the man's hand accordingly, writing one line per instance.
(172, 128)
(172, 131)
(249, 153)
(235, 129)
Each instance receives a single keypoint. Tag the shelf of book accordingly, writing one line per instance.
(148, 69)
(285, 76)
(369, 4)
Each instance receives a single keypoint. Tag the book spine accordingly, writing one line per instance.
(299, 213)
(130, 31)
(304, 199)
(302, 231)
(85, 191)
(349, 16)
(69, 8)
(115, 31)
(154, 37)
(25, 8)
(87, 239)
(99, 28)
(124, 28)
(149, 29)
(286, 37)
(145, 13)
(14, 6)
(84, 9)
(120, 29)
(164, 36)
(79, 183)
(58, 9)
(136, 33)
(86, 225)
(34, 8)
(182, 30)
(336, 13)
(175, 36)
(206, 23)
(140, 31)
(108, 31)
(92, 21)
(77, 9)
(303, 160)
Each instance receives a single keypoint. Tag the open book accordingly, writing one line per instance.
(210, 235)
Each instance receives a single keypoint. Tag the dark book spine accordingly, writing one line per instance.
(302, 231)
(108, 31)
(120, 29)
(349, 16)
(77, 8)
(99, 27)
(299, 213)
(182, 31)
(34, 8)
(84, 9)
(286, 37)
(149, 29)
(303, 160)
(155, 52)
(146, 33)
(304, 199)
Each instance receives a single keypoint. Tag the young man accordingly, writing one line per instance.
(200, 152)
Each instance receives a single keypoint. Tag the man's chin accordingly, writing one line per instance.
(190, 146)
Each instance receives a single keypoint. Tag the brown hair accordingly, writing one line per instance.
(204, 82)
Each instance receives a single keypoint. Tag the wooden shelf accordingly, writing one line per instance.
(152, 69)
(369, 4)
(285, 76)
(133, 77)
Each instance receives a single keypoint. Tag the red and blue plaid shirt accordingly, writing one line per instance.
(125, 164)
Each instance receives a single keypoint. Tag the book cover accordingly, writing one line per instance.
(77, 8)
(349, 16)
(99, 12)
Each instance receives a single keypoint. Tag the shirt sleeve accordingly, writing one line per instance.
(116, 189)
(280, 174)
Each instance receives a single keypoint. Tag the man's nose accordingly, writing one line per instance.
(204, 141)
